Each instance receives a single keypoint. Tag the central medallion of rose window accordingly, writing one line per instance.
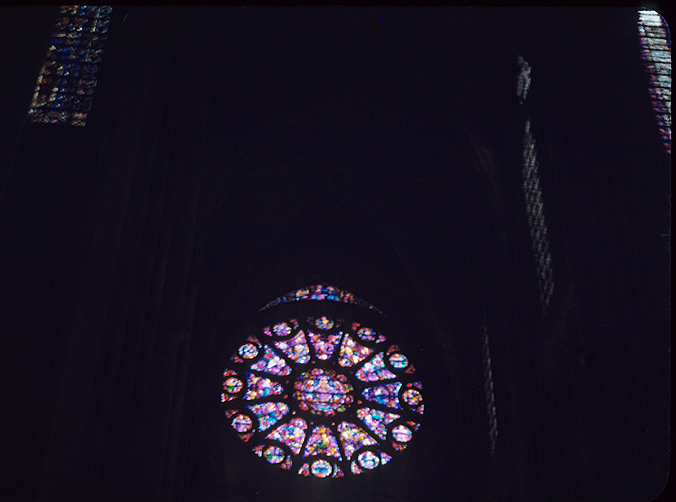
(323, 392)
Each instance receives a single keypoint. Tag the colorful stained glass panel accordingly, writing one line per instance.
(322, 442)
(322, 292)
(337, 472)
(233, 385)
(352, 352)
(353, 438)
(282, 329)
(367, 334)
(292, 434)
(66, 83)
(295, 348)
(323, 392)
(398, 361)
(248, 351)
(273, 454)
(320, 468)
(242, 423)
(412, 397)
(375, 370)
(377, 420)
(402, 434)
(324, 323)
(259, 387)
(387, 394)
(271, 363)
(269, 414)
(368, 460)
(324, 344)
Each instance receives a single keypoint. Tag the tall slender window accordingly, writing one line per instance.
(656, 50)
(489, 391)
(530, 178)
(65, 87)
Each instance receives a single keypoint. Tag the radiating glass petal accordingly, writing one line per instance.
(352, 352)
(386, 394)
(322, 442)
(292, 434)
(271, 363)
(295, 348)
(353, 438)
(259, 387)
(269, 414)
(377, 420)
(324, 344)
(375, 370)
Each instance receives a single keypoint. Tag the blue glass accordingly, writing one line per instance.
(65, 87)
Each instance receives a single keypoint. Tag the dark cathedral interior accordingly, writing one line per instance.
(494, 181)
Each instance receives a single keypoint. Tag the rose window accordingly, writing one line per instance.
(322, 396)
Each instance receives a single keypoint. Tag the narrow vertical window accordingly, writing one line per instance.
(66, 83)
(489, 391)
(532, 189)
(656, 51)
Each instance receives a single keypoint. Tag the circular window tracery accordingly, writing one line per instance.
(323, 396)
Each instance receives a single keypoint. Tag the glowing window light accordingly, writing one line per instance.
(523, 82)
(66, 83)
(488, 388)
(534, 201)
(321, 418)
(536, 217)
(655, 42)
(322, 292)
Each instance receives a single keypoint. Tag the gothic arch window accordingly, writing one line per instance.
(66, 83)
(324, 394)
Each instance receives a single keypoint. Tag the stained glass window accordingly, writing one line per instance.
(530, 178)
(66, 83)
(322, 292)
(324, 397)
(655, 42)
